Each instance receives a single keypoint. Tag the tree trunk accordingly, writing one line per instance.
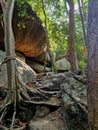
(9, 48)
(71, 49)
(82, 20)
(92, 67)
(47, 41)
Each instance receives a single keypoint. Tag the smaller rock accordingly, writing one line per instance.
(52, 121)
(41, 111)
(62, 65)
(38, 67)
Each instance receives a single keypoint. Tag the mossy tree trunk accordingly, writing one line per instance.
(10, 57)
(10, 51)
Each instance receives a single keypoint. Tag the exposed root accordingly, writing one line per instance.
(3, 127)
(20, 128)
(4, 104)
(37, 103)
(3, 110)
(6, 128)
(3, 114)
(45, 90)
(13, 119)
(39, 93)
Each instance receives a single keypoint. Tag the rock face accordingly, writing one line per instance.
(30, 36)
(24, 70)
(74, 106)
(48, 90)
(75, 102)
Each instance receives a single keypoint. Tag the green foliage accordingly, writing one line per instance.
(1, 16)
(57, 19)
(21, 25)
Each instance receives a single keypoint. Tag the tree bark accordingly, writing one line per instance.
(9, 48)
(47, 41)
(92, 67)
(3, 4)
(82, 21)
(71, 49)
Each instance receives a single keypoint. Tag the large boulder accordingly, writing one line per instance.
(30, 35)
(26, 73)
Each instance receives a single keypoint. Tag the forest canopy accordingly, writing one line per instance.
(56, 18)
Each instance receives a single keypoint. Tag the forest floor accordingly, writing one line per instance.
(49, 101)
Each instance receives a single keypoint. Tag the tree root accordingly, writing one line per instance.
(3, 114)
(3, 127)
(4, 104)
(40, 92)
(13, 119)
(20, 128)
(25, 95)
